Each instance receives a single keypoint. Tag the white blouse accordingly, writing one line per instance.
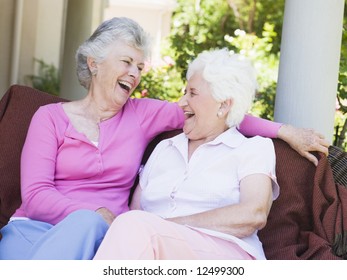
(173, 186)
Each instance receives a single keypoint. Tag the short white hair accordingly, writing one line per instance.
(230, 76)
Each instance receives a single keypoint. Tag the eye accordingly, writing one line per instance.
(140, 68)
(126, 61)
(191, 93)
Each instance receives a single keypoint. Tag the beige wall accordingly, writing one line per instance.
(49, 30)
(29, 29)
(41, 35)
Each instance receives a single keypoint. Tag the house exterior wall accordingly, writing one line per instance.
(50, 24)
(29, 29)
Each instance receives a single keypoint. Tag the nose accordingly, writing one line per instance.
(134, 72)
(183, 101)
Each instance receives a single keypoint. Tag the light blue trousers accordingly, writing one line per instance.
(77, 237)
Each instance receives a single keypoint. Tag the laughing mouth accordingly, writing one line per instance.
(125, 85)
(189, 114)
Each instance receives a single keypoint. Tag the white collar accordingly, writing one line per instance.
(231, 137)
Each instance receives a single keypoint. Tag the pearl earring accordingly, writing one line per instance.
(220, 114)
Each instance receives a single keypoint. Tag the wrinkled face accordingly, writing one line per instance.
(119, 73)
(201, 109)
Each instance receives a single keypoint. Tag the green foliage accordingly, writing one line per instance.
(210, 24)
(198, 26)
(161, 81)
(48, 79)
(259, 51)
(270, 12)
(203, 25)
(341, 112)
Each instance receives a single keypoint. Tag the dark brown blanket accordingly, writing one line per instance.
(308, 220)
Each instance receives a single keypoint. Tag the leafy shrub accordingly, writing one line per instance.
(47, 80)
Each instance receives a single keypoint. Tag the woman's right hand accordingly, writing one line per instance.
(106, 214)
(304, 141)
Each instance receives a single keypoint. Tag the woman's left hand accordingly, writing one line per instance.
(304, 141)
(106, 214)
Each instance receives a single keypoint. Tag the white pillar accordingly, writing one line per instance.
(309, 64)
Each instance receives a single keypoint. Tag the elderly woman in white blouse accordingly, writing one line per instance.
(204, 193)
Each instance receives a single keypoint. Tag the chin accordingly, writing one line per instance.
(189, 135)
(185, 130)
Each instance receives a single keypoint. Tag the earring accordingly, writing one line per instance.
(94, 72)
(219, 114)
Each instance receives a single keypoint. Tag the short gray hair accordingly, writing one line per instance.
(230, 76)
(110, 31)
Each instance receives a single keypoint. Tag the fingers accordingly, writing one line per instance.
(319, 135)
(323, 142)
(319, 147)
(321, 139)
(318, 143)
(305, 141)
(322, 149)
(311, 158)
(106, 214)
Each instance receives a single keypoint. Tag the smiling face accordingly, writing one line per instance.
(118, 74)
(204, 116)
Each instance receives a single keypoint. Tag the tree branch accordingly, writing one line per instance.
(251, 16)
(235, 9)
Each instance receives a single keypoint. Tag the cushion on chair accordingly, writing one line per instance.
(17, 107)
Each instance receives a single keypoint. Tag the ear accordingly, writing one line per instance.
(226, 105)
(91, 64)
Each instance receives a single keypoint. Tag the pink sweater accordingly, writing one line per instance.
(62, 171)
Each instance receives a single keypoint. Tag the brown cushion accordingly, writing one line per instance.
(16, 109)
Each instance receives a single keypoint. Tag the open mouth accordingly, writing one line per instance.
(189, 114)
(125, 85)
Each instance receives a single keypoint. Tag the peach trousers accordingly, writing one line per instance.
(139, 235)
